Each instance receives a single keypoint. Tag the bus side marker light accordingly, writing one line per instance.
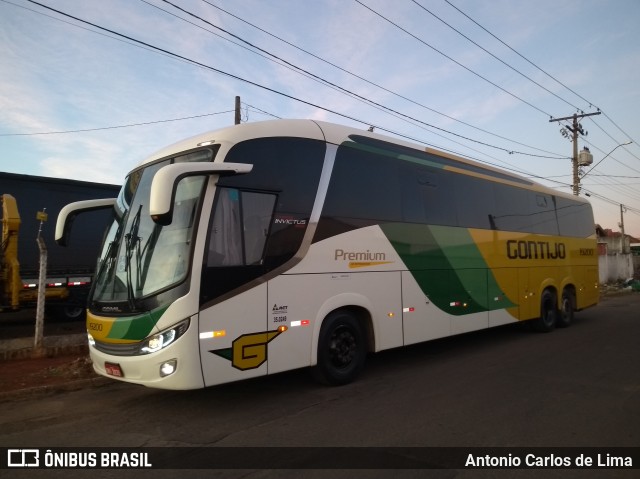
(408, 310)
(391, 314)
(457, 304)
(282, 329)
(213, 334)
(304, 322)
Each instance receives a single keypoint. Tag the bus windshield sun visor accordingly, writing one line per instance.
(69, 213)
(165, 181)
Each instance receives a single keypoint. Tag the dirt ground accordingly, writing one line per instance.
(21, 374)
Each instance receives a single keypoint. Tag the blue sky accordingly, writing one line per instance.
(61, 75)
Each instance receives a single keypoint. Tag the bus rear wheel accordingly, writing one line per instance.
(565, 316)
(548, 313)
(341, 349)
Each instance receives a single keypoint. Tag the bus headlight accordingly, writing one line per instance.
(165, 338)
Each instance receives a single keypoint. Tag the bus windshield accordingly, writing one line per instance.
(141, 258)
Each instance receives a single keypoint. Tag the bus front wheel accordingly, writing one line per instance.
(548, 313)
(341, 349)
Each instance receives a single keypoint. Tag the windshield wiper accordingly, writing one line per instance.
(108, 264)
(131, 240)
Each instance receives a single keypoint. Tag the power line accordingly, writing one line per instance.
(387, 90)
(520, 55)
(134, 42)
(349, 92)
(116, 127)
(550, 76)
(494, 56)
(258, 110)
(374, 84)
(208, 67)
(187, 60)
(452, 59)
(213, 69)
(617, 176)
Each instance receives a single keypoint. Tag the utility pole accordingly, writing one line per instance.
(575, 129)
(238, 117)
(622, 228)
(38, 349)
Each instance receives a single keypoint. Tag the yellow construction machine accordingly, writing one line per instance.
(14, 294)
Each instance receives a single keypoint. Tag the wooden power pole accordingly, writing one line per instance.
(575, 129)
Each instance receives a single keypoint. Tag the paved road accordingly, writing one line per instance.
(503, 387)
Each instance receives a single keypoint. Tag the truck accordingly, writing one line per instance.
(26, 201)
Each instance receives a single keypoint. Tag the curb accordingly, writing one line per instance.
(23, 348)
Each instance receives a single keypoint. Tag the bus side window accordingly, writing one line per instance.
(239, 227)
(575, 218)
(512, 211)
(257, 211)
(543, 214)
(475, 202)
(225, 234)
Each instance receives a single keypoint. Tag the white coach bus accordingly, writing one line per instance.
(276, 245)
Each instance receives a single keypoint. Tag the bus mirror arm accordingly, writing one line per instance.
(68, 214)
(166, 179)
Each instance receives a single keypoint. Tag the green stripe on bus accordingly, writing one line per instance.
(448, 267)
(136, 327)
(393, 154)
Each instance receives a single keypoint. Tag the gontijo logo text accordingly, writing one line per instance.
(535, 250)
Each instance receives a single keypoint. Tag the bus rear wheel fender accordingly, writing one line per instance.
(548, 312)
(342, 349)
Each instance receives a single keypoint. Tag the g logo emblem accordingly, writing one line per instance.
(249, 351)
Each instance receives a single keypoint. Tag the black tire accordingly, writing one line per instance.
(548, 313)
(567, 310)
(342, 349)
(69, 312)
(74, 313)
